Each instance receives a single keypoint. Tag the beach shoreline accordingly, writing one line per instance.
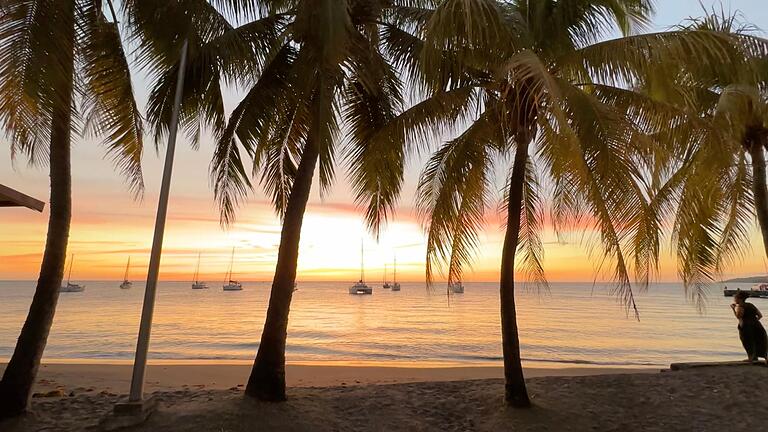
(168, 375)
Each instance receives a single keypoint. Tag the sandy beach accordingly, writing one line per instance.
(209, 375)
(209, 397)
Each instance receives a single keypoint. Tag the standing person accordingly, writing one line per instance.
(751, 331)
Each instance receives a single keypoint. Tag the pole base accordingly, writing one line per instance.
(143, 407)
(129, 413)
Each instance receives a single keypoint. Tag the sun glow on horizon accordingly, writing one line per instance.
(329, 251)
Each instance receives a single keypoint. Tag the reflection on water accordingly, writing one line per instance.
(575, 323)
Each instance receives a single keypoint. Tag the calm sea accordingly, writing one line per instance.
(574, 324)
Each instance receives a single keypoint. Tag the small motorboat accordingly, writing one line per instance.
(757, 291)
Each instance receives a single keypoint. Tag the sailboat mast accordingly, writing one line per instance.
(231, 261)
(71, 261)
(385, 273)
(197, 267)
(127, 267)
(362, 262)
(394, 276)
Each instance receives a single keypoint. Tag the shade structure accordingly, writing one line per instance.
(13, 198)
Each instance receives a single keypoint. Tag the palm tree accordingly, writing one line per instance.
(53, 53)
(326, 69)
(722, 157)
(539, 81)
(219, 53)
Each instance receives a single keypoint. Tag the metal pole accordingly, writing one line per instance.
(142, 345)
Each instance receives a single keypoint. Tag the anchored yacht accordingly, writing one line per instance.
(71, 287)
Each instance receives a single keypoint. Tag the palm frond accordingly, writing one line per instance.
(109, 103)
(471, 34)
(32, 72)
(373, 98)
(739, 214)
(253, 124)
(599, 140)
(453, 193)
(634, 58)
(581, 22)
(158, 47)
(531, 223)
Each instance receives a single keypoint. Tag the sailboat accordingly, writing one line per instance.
(126, 283)
(197, 284)
(395, 283)
(456, 287)
(232, 285)
(386, 284)
(71, 287)
(360, 287)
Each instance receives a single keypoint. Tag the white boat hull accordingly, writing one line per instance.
(70, 287)
(233, 286)
(199, 285)
(360, 289)
(396, 286)
(456, 288)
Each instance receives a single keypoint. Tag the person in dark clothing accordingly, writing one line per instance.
(751, 331)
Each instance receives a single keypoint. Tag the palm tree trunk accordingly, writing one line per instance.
(19, 376)
(515, 392)
(759, 189)
(267, 380)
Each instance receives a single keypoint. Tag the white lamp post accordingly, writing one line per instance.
(136, 403)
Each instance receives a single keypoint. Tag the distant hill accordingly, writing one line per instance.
(751, 279)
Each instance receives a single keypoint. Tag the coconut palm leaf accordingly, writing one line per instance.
(267, 108)
(31, 78)
(633, 58)
(234, 56)
(471, 33)
(583, 21)
(158, 47)
(109, 102)
(453, 193)
(375, 168)
(739, 214)
(531, 224)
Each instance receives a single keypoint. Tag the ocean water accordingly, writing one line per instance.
(575, 323)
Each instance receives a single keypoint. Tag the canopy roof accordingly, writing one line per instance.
(13, 198)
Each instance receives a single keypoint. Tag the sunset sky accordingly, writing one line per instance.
(108, 226)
